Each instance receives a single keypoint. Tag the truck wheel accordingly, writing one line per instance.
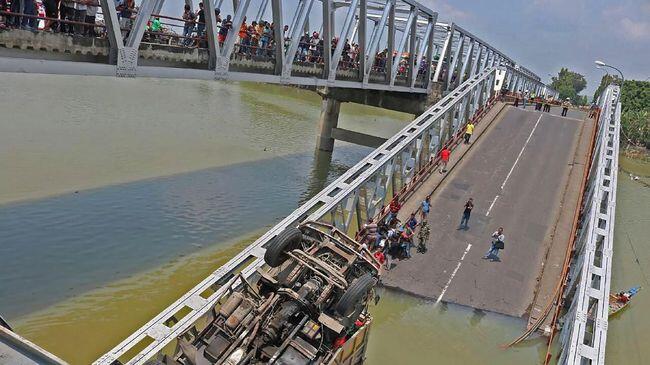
(355, 294)
(276, 251)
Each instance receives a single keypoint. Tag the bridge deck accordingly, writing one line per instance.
(532, 156)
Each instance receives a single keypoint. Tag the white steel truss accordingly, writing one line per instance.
(584, 331)
(451, 53)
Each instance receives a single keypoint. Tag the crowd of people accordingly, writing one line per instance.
(390, 239)
(255, 38)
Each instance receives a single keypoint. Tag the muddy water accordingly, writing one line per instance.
(629, 332)
(81, 271)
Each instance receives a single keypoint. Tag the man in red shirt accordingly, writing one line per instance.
(444, 159)
(393, 208)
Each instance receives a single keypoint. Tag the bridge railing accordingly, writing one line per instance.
(584, 324)
(398, 46)
(359, 193)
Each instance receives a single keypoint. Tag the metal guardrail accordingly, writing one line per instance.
(402, 27)
(361, 192)
(584, 331)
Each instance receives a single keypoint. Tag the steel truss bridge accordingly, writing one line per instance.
(399, 26)
(584, 325)
(467, 70)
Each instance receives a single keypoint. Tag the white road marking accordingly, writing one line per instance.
(444, 290)
(491, 205)
(521, 152)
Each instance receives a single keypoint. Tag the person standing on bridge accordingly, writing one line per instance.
(468, 131)
(226, 26)
(466, 213)
(497, 244)
(393, 209)
(426, 207)
(524, 98)
(412, 222)
(444, 159)
(188, 27)
(565, 106)
(200, 25)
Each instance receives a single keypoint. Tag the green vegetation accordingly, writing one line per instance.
(569, 84)
(635, 116)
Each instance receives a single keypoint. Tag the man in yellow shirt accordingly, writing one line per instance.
(468, 131)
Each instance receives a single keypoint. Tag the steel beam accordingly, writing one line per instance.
(362, 38)
(327, 37)
(377, 34)
(278, 34)
(412, 72)
(140, 24)
(391, 42)
(112, 29)
(400, 46)
(425, 46)
(262, 10)
(344, 35)
(467, 63)
(302, 13)
(430, 50)
(445, 55)
(223, 60)
(214, 49)
(453, 66)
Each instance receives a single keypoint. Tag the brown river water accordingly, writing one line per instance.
(117, 196)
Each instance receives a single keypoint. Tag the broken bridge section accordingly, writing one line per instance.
(516, 172)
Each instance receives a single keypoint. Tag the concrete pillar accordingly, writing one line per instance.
(329, 119)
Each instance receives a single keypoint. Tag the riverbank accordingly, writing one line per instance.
(78, 133)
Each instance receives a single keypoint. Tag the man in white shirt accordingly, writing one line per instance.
(498, 240)
(80, 9)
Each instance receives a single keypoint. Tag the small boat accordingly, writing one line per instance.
(621, 300)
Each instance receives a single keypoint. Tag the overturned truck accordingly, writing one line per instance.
(309, 306)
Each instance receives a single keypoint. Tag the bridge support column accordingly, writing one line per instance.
(329, 119)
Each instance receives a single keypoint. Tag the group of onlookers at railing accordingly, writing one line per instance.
(389, 239)
(255, 39)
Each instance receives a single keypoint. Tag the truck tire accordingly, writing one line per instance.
(276, 251)
(354, 294)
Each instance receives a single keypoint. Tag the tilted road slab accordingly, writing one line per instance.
(531, 152)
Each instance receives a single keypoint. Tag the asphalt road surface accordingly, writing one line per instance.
(516, 174)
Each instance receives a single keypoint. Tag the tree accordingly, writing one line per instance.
(606, 80)
(569, 84)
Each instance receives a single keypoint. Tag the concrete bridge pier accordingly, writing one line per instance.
(329, 119)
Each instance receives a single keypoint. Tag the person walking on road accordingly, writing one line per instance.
(426, 207)
(468, 131)
(497, 244)
(466, 213)
(444, 159)
(565, 106)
